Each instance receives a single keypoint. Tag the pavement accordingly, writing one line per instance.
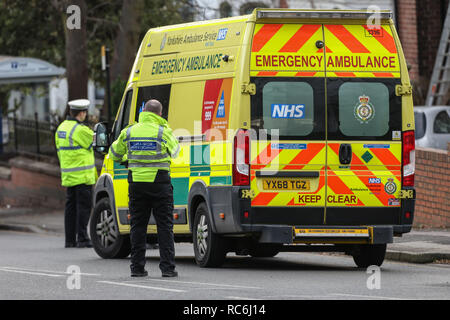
(417, 246)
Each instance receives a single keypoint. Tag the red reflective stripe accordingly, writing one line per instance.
(383, 75)
(345, 74)
(386, 156)
(267, 73)
(263, 198)
(337, 185)
(327, 50)
(265, 157)
(347, 39)
(386, 40)
(304, 157)
(302, 35)
(305, 74)
(264, 35)
(292, 203)
(383, 197)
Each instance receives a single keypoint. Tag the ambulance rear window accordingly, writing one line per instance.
(364, 109)
(288, 108)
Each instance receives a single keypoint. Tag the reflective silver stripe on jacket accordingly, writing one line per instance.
(71, 134)
(147, 157)
(77, 168)
(114, 153)
(149, 165)
(128, 137)
(160, 135)
(175, 154)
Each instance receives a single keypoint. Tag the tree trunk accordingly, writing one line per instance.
(125, 49)
(284, 4)
(127, 40)
(76, 54)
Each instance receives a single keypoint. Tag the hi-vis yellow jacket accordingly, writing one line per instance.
(148, 146)
(76, 156)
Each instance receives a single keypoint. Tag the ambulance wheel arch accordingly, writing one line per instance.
(104, 188)
(198, 194)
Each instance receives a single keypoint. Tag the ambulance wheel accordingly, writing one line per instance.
(265, 250)
(104, 232)
(209, 248)
(368, 255)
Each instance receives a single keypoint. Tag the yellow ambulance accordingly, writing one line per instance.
(296, 130)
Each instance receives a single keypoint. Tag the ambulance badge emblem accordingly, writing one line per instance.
(390, 187)
(364, 112)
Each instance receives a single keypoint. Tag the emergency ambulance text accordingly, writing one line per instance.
(211, 61)
(301, 61)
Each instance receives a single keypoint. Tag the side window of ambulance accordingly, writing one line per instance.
(363, 109)
(160, 93)
(289, 107)
(442, 123)
(124, 115)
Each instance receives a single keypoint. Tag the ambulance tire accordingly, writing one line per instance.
(108, 243)
(209, 247)
(368, 255)
(265, 250)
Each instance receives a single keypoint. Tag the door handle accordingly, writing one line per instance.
(345, 153)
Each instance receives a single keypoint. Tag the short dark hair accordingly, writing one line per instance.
(74, 113)
(153, 106)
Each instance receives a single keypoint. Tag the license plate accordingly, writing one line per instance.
(356, 233)
(285, 184)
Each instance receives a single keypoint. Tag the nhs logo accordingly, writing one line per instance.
(221, 108)
(222, 34)
(288, 111)
(374, 180)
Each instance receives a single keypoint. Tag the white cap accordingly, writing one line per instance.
(80, 104)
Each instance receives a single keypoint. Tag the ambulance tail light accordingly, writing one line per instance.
(408, 158)
(241, 158)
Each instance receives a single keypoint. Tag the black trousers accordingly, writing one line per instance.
(145, 196)
(77, 213)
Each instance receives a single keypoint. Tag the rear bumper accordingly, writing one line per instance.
(278, 224)
(322, 234)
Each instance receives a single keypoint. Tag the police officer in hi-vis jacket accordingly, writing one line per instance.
(78, 173)
(148, 146)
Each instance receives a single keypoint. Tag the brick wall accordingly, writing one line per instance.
(432, 186)
(407, 31)
(32, 184)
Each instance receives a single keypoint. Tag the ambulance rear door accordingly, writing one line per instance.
(288, 149)
(363, 125)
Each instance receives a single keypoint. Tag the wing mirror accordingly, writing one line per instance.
(101, 140)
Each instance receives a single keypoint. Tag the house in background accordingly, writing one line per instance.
(44, 88)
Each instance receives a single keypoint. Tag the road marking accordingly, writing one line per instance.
(50, 271)
(205, 283)
(296, 296)
(140, 286)
(241, 298)
(33, 273)
(364, 296)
